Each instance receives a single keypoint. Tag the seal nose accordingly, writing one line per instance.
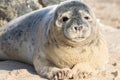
(77, 28)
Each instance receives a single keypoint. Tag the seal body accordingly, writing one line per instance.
(61, 41)
(18, 37)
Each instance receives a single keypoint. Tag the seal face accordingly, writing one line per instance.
(75, 20)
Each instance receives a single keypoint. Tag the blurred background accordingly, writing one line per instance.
(107, 11)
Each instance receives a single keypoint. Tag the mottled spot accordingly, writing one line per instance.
(91, 42)
(115, 74)
(97, 42)
(33, 42)
(83, 50)
(114, 64)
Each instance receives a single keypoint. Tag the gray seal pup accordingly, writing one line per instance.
(62, 41)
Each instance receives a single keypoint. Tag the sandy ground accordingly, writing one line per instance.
(12, 70)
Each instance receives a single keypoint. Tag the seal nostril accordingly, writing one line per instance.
(78, 28)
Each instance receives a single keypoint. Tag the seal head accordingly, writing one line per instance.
(74, 22)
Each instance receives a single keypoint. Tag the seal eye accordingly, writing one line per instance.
(87, 17)
(64, 19)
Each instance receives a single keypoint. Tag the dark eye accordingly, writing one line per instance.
(64, 19)
(87, 17)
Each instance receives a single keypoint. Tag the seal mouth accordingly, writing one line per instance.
(76, 39)
(77, 36)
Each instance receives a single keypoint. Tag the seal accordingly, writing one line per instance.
(62, 41)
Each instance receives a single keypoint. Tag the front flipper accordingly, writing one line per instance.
(82, 71)
(45, 69)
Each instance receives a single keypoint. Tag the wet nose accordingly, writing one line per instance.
(78, 28)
